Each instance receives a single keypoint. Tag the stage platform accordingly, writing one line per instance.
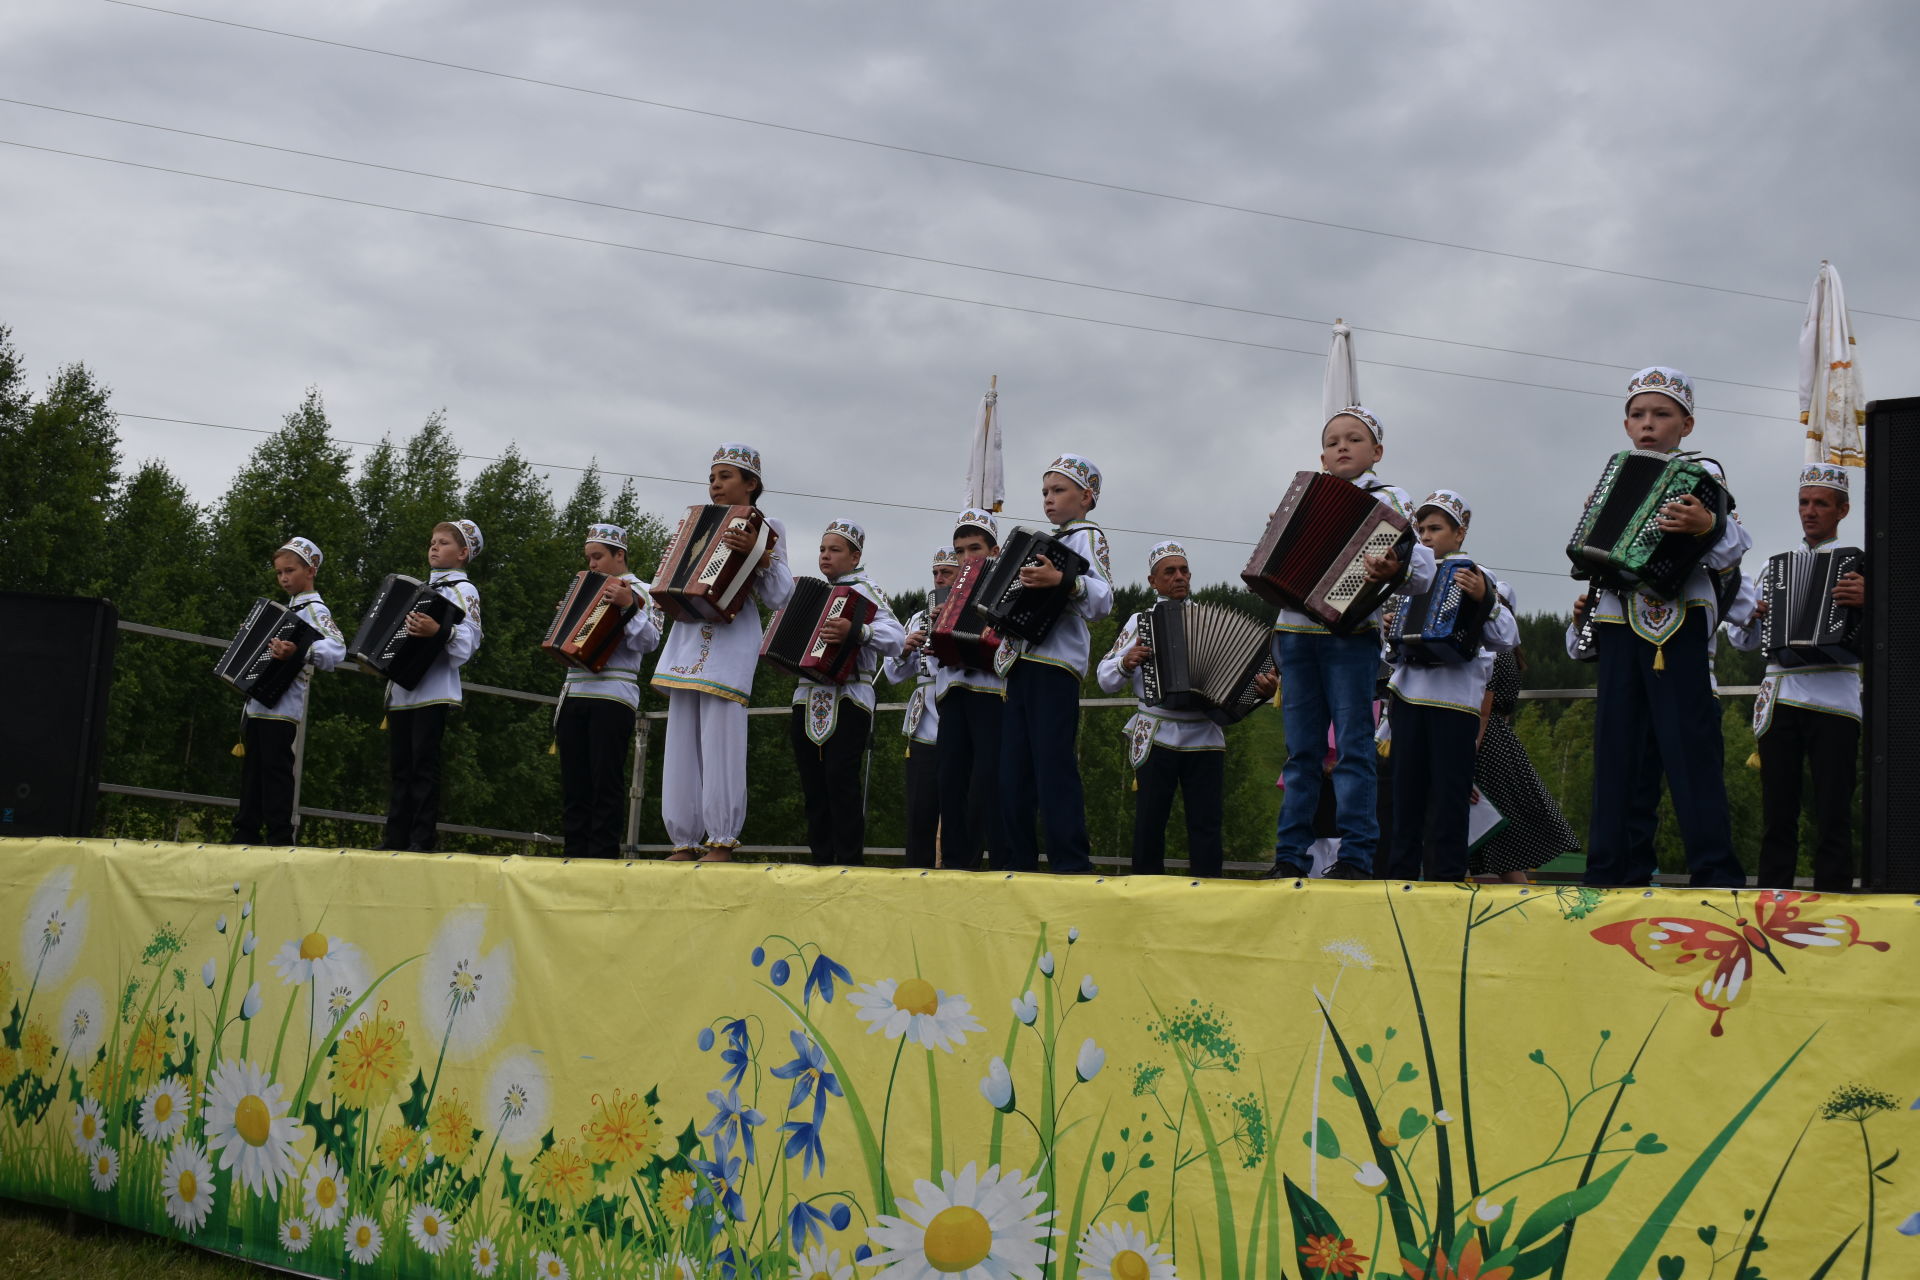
(353, 1063)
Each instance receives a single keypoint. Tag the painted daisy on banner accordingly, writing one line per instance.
(296, 1235)
(464, 991)
(485, 1258)
(164, 1110)
(550, 1266)
(916, 1009)
(88, 1126)
(324, 1190)
(248, 1125)
(975, 1226)
(186, 1182)
(82, 1022)
(53, 931)
(329, 968)
(429, 1230)
(517, 1100)
(363, 1239)
(675, 1266)
(103, 1166)
(1121, 1251)
(822, 1263)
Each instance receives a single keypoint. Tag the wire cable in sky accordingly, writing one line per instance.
(841, 244)
(982, 164)
(826, 279)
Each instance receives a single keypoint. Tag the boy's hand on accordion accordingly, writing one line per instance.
(1040, 572)
(620, 594)
(834, 630)
(738, 540)
(1579, 609)
(1264, 684)
(1132, 658)
(281, 649)
(1850, 592)
(1686, 514)
(419, 624)
(1382, 568)
(915, 640)
(1475, 585)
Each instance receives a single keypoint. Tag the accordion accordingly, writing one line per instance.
(701, 578)
(586, 627)
(1313, 556)
(249, 665)
(1805, 627)
(382, 646)
(1205, 658)
(1028, 612)
(793, 642)
(957, 633)
(1442, 627)
(1619, 544)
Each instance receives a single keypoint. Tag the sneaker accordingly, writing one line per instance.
(1285, 871)
(1346, 871)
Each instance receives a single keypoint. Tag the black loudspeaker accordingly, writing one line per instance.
(56, 665)
(1891, 672)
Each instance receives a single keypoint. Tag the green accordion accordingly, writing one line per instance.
(1619, 544)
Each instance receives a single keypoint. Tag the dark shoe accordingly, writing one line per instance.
(1346, 871)
(1285, 871)
(1088, 870)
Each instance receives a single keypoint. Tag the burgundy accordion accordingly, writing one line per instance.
(960, 637)
(793, 642)
(1313, 554)
(586, 627)
(701, 579)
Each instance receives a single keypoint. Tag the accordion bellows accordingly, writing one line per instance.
(958, 635)
(1804, 627)
(793, 642)
(586, 627)
(1205, 658)
(702, 579)
(381, 644)
(249, 665)
(1443, 626)
(1313, 554)
(1028, 612)
(1619, 543)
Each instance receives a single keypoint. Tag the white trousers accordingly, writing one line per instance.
(703, 784)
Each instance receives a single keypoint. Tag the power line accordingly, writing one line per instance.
(826, 279)
(841, 244)
(952, 158)
(788, 493)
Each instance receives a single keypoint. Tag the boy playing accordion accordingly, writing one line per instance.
(914, 665)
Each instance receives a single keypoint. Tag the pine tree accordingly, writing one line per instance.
(59, 463)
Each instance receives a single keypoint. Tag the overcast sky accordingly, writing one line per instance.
(1727, 145)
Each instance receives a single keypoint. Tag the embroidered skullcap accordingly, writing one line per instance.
(1365, 415)
(1826, 476)
(977, 518)
(946, 558)
(1161, 550)
(1077, 469)
(470, 534)
(853, 533)
(743, 456)
(1668, 382)
(1448, 501)
(611, 535)
(307, 551)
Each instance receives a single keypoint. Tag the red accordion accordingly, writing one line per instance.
(1313, 555)
(586, 627)
(701, 578)
(958, 634)
(793, 642)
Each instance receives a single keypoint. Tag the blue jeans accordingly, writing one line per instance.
(1328, 679)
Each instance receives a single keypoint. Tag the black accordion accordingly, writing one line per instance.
(1205, 658)
(382, 646)
(793, 642)
(249, 665)
(1619, 543)
(1442, 627)
(1313, 555)
(1804, 627)
(1028, 612)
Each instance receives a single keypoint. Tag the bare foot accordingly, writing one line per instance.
(683, 855)
(717, 853)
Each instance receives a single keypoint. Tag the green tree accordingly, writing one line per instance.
(59, 463)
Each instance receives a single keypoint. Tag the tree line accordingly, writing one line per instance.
(74, 519)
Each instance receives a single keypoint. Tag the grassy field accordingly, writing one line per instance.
(36, 1245)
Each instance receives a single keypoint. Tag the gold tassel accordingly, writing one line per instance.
(1660, 656)
(239, 751)
(553, 748)
(1384, 748)
(383, 724)
(1136, 782)
(1753, 761)
(907, 754)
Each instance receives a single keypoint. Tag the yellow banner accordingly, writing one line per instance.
(414, 1065)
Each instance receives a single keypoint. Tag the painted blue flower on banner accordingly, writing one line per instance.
(723, 1188)
(737, 1055)
(821, 976)
(732, 1125)
(810, 1077)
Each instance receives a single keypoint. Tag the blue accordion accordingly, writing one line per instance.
(1443, 626)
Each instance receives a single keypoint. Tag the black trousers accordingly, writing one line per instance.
(413, 770)
(1827, 744)
(969, 767)
(832, 785)
(923, 802)
(593, 735)
(1202, 776)
(1648, 722)
(1433, 753)
(1040, 742)
(266, 783)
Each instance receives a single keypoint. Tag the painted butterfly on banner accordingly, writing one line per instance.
(1717, 956)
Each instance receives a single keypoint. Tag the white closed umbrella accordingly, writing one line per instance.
(986, 473)
(1341, 386)
(1832, 404)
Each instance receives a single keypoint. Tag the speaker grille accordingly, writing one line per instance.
(1892, 670)
(56, 664)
